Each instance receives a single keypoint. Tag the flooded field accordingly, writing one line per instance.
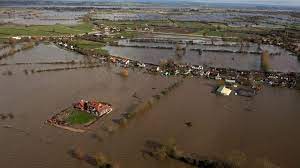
(237, 18)
(42, 57)
(43, 53)
(42, 74)
(40, 17)
(281, 60)
(221, 126)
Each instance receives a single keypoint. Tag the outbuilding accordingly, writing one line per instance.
(222, 90)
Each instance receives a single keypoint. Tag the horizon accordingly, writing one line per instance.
(294, 3)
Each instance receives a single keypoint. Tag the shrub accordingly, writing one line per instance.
(28, 46)
(100, 159)
(77, 153)
(265, 163)
(160, 153)
(26, 71)
(237, 159)
(122, 121)
(298, 83)
(12, 41)
(109, 129)
(124, 73)
(9, 73)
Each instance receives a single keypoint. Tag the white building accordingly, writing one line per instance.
(222, 90)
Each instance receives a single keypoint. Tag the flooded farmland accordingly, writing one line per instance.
(212, 55)
(43, 53)
(109, 84)
(261, 133)
(204, 16)
(40, 17)
(42, 57)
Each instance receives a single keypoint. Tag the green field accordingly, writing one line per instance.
(96, 46)
(183, 27)
(44, 30)
(295, 26)
(2, 40)
(85, 44)
(79, 117)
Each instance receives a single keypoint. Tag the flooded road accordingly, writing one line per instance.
(262, 131)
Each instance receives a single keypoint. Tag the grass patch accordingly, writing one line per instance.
(44, 30)
(101, 51)
(2, 40)
(295, 26)
(91, 45)
(79, 117)
(85, 44)
(197, 28)
(128, 34)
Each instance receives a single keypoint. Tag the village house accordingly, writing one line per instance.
(222, 90)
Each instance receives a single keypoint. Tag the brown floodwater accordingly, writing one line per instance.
(281, 60)
(265, 127)
(43, 53)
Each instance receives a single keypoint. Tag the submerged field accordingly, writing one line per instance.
(40, 78)
(246, 129)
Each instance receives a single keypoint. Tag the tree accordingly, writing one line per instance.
(265, 60)
(12, 41)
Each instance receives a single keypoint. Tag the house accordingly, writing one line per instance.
(98, 34)
(198, 41)
(222, 90)
(17, 38)
(230, 81)
(218, 77)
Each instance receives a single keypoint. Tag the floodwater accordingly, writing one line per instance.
(152, 55)
(263, 132)
(6, 49)
(40, 17)
(42, 57)
(204, 16)
(282, 60)
(43, 53)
